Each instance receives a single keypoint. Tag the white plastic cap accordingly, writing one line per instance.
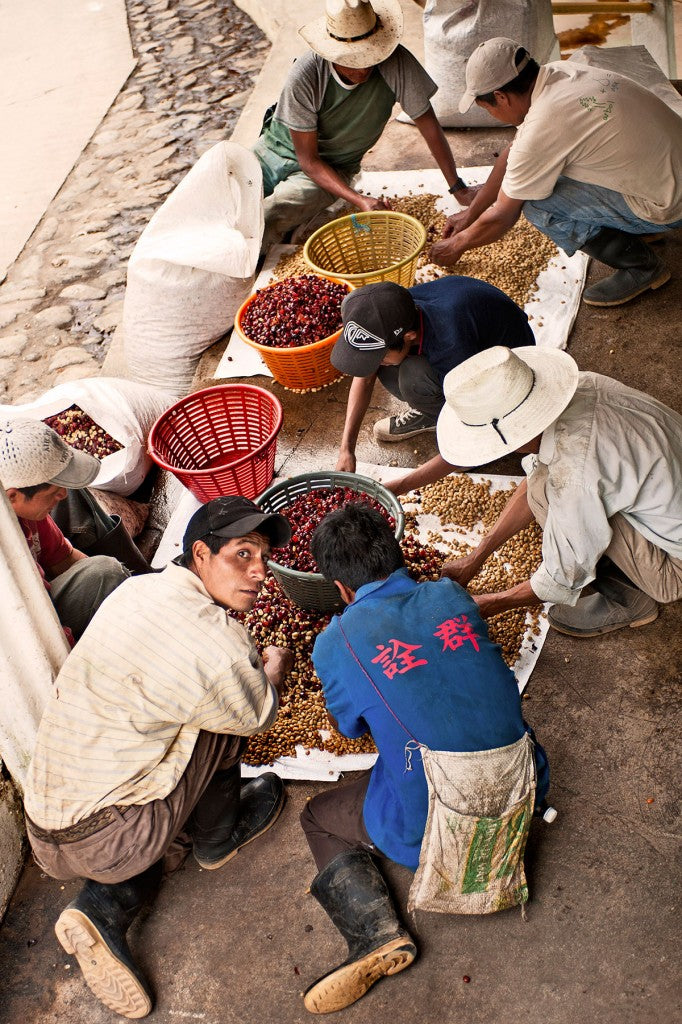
(550, 815)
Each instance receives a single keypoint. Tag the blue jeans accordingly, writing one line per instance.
(576, 212)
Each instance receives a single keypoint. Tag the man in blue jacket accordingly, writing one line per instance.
(441, 678)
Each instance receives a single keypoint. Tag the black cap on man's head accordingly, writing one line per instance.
(375, 318)
(234, 516)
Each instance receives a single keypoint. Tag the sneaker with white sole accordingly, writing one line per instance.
(408, 424)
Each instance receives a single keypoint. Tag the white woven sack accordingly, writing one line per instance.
(193, 266)
(124, 409)
(454, 28)
(480, 808)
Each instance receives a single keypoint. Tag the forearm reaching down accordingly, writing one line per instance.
(324, 175)
(504, 600)
(428, 473)
(434, 137)
(359, 397)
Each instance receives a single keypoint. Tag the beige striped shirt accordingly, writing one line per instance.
(159, 661)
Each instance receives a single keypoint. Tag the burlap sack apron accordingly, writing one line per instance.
(480, 808)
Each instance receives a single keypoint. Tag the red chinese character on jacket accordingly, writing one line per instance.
(454, 632)
(396, 658)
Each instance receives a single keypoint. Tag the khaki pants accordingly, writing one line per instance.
(649, 567)
(136, 837)
(77, 593)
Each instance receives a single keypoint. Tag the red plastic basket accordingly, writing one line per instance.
(221, 440)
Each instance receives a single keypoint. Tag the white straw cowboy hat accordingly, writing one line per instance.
(500, 399)
(32, 453)
(356, 33)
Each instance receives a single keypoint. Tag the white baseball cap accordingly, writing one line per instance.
(490, 66)
(32, 453)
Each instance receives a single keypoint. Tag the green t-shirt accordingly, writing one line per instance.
(348, 122)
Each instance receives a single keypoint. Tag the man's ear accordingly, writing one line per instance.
(347, 595)
(200, 553)
(12, 494)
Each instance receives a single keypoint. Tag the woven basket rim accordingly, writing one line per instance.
(383, 214)
(348, 478)
(243, 459)
(295, 349)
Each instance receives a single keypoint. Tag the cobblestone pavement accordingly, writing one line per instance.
(63, 297)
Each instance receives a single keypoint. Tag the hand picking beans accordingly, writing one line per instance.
(293, 312)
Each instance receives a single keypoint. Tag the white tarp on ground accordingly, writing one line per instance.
(318, 764)
(552, 309)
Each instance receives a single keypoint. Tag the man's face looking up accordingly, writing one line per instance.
(234, 576)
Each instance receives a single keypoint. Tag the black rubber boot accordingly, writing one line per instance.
(352, 892)
(615, 604)
(228, 816)
(93, 928)
(638, 268)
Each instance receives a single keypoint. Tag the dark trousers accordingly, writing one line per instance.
(133, 838)
(416, 382)
(332, 821)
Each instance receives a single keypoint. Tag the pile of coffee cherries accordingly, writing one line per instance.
(307, 512)
(80, 431)
(294, 312)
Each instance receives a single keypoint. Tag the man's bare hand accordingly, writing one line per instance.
(346, 462)
(369, 203)
(455, 223)
(466, 196)
(462, 570)
(278, 663)
(447, 252)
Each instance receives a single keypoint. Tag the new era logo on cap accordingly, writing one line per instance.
(360, 337)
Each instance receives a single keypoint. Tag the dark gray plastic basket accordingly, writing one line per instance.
(310, 589)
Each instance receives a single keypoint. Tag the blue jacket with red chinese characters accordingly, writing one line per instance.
(426, 648)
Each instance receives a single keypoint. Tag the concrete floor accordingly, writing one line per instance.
(602, 938)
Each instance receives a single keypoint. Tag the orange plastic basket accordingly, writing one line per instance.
(221, 440)
(301, 368)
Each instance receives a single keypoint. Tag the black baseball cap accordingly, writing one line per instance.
(234, 516)
(372, 317)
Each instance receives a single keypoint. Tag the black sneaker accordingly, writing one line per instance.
(403, 427)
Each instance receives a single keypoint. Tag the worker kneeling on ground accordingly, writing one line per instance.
(138, 752)
(36, 469)
(604, 480)
(335, 104)
(413, 664)
(410, 338)
(596, 165)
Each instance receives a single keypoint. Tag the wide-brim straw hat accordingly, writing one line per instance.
(500, 399)
(356, 33)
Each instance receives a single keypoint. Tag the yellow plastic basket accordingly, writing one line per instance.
(366, 247)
